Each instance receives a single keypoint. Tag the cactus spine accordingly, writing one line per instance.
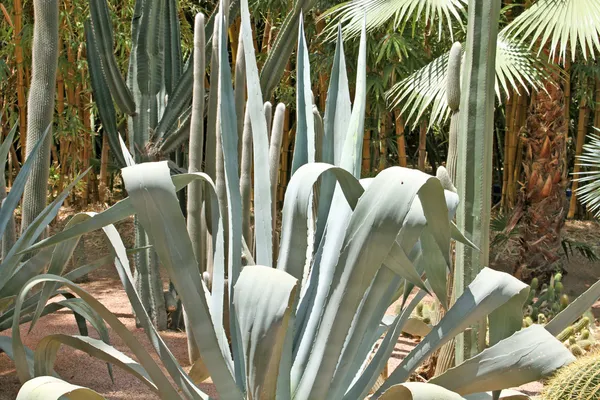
(578, 380)
(453, 98)
(41, 105)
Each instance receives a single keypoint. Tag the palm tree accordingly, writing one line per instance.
(557, 28)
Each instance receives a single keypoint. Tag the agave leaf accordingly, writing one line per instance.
(182, 380)
(416, 327)
(337, 112)
(292, 252)
(507, 394)
(574, 310)
(304, 147)
(34, 230)
(16, 191)
(50, 388)
(153, 196)
(115, 213)
(260, 141)
(164, 387)
(526, 356)
(47, 349)
(60, 256)
(400, 264)
(228, 125)
(24, 272)
(363, 333)
(366, 378)
(353, 142)
(264, 297)
(488, 292)
(419, 391)
(7, 348)
(373, 227)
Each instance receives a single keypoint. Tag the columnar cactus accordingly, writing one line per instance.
(453, 98)
(41, 104)
(474, 164)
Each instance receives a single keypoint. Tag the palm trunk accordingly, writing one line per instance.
(582, 124)
(541, 208)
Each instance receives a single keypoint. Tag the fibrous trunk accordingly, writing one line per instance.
(542, 205)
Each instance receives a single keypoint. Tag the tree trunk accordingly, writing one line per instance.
(400, 139)
(582, 124)
(541, 208)
(422, 144)
(21, 102)
(366, 153)
(383, 150)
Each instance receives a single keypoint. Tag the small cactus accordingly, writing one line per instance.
(558, 277)
(581, 324)
(585, 334)
(527, 321)
(578, 380)
(576, 350)
(535, 283)
(585, 344)
(564, 301)
(565, 334)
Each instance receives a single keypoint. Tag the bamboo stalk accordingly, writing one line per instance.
(366, 152)
(21, 100)
(383, 150)
(581, 132)
(422, 144)
(267, 34)
(400, 139)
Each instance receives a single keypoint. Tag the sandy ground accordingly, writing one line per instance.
(81, 369)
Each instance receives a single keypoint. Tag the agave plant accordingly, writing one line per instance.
(16, 268)
(304, 325)
(157, 95)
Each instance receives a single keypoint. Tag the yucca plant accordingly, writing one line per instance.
(304, 326)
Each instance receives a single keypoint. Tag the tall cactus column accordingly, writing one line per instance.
(41, 104)
(474, 164)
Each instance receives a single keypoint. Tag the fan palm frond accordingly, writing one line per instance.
(588, 192)
(560, 23)
(351, 13)
(516, 68)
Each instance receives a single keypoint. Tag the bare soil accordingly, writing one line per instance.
(81, 369)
